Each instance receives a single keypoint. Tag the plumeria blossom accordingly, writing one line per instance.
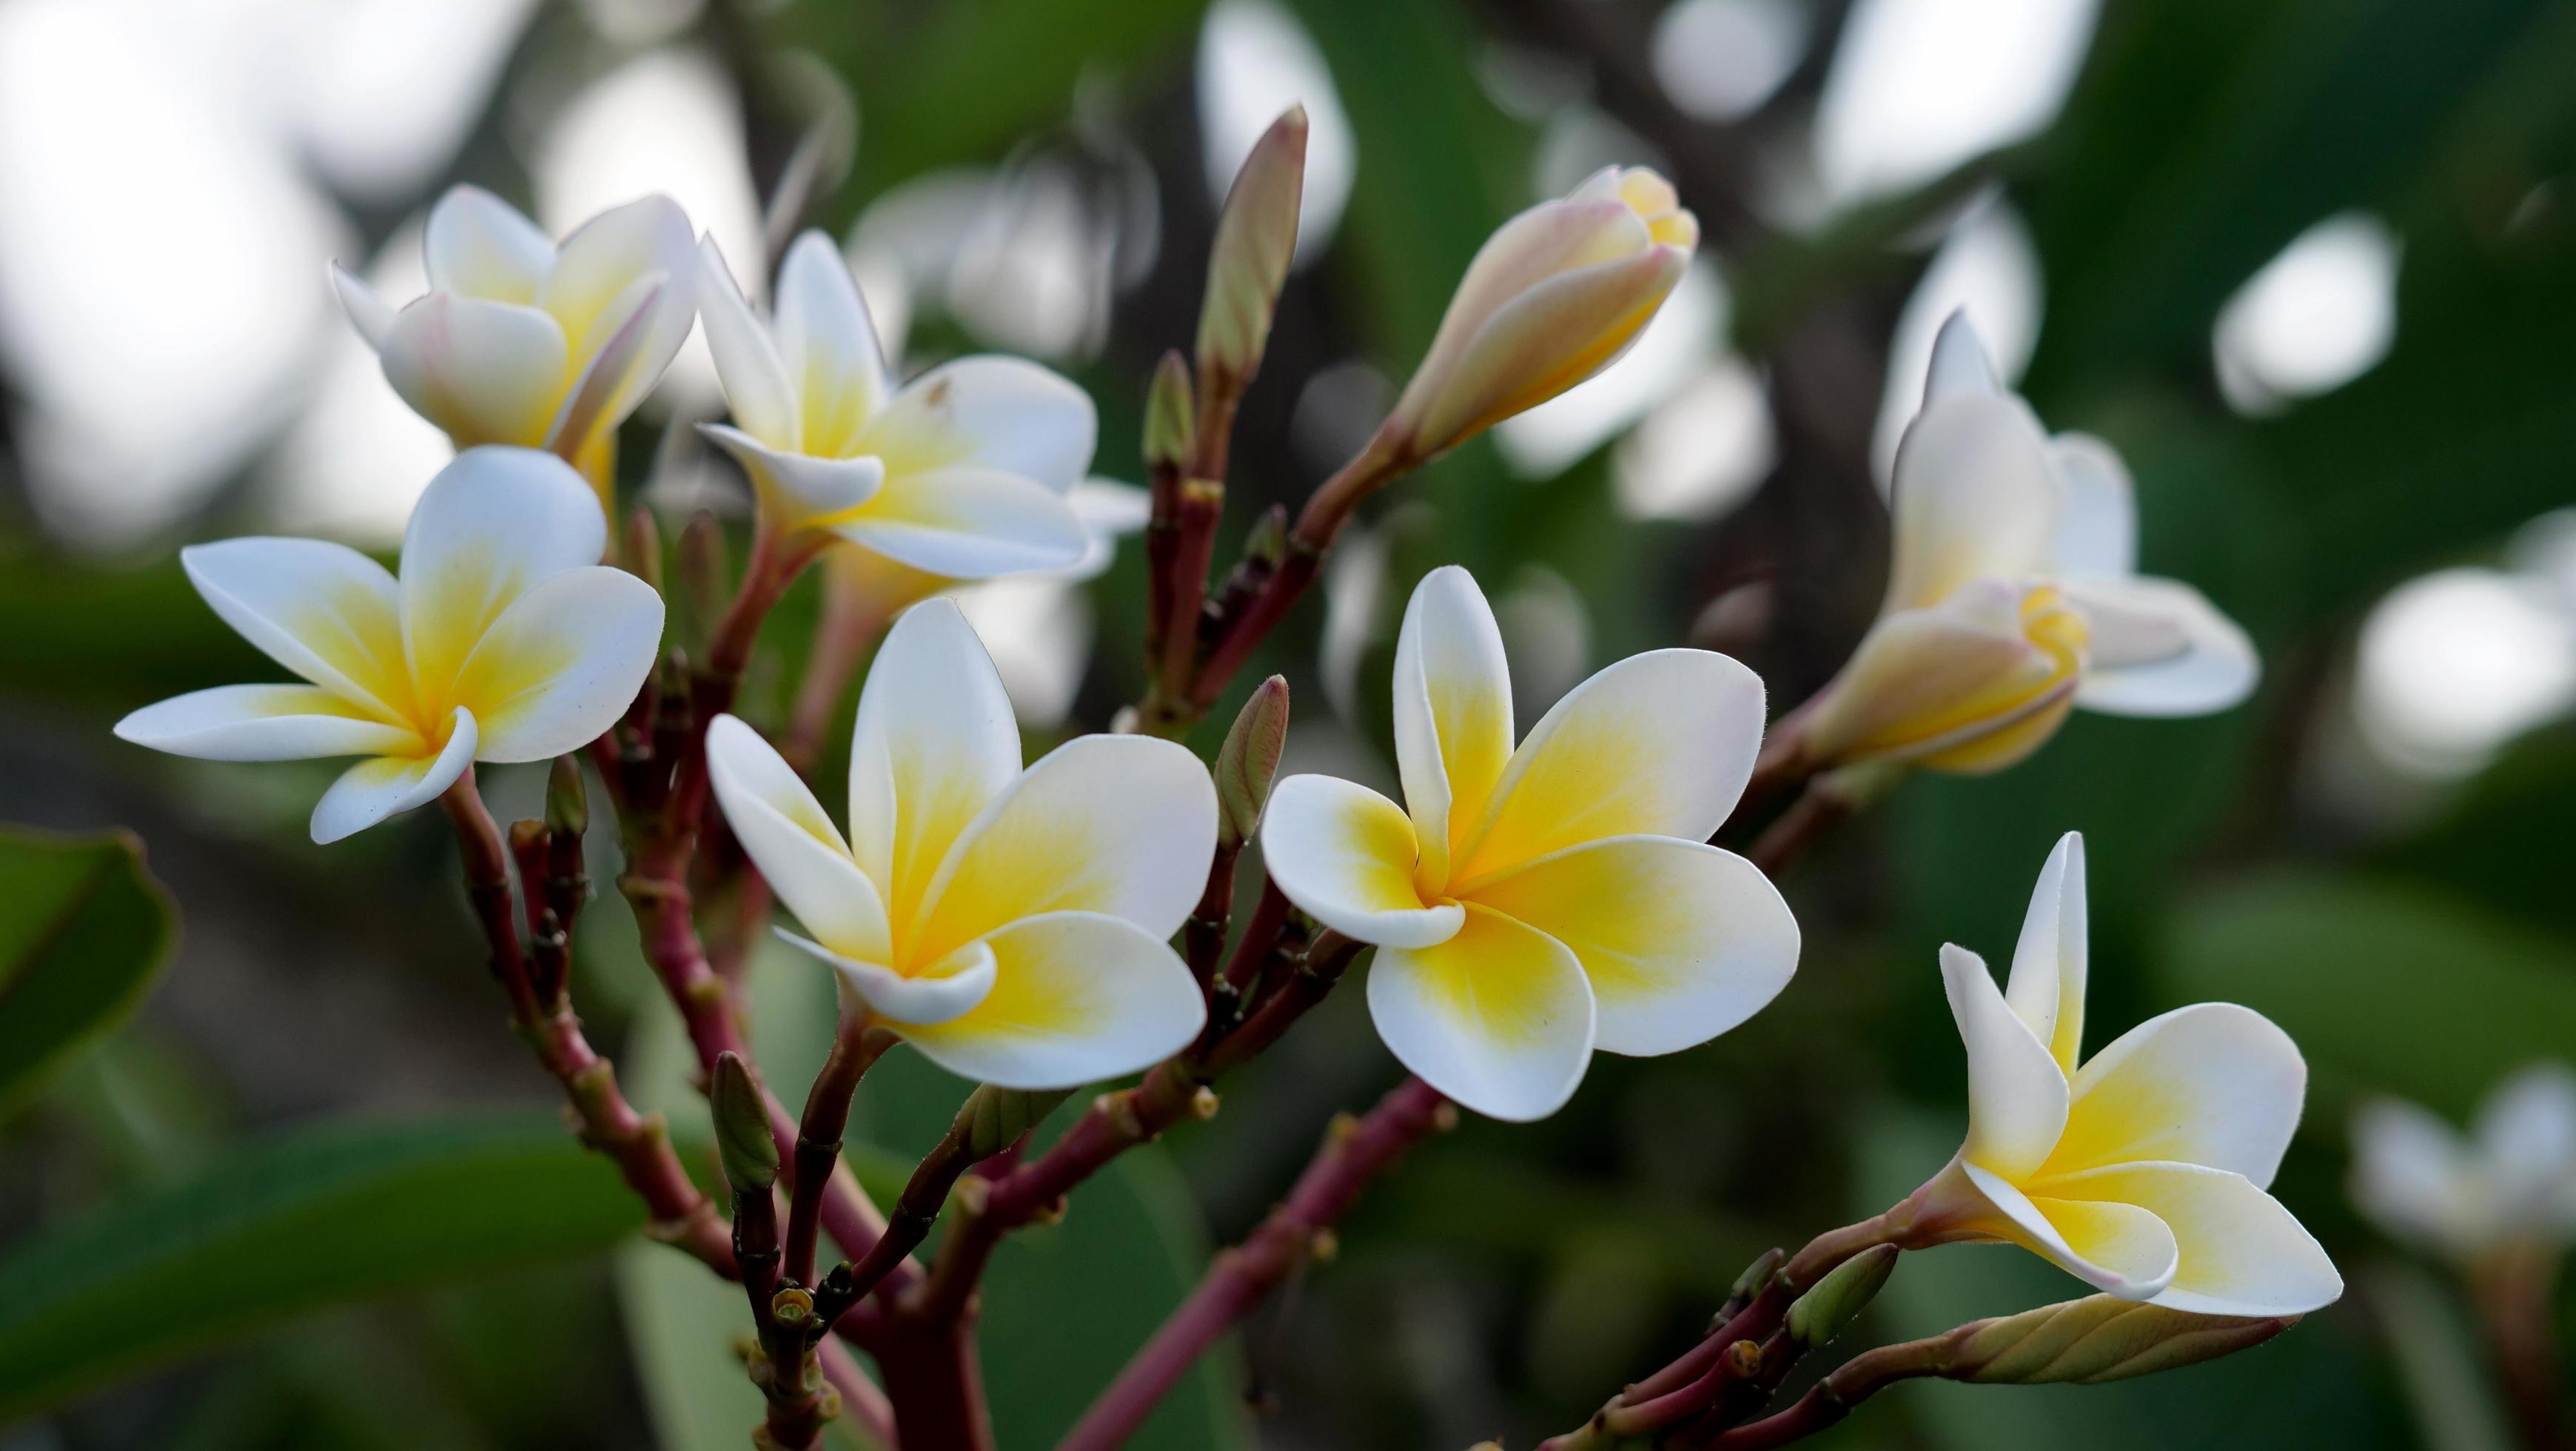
(1011, 923)
(1532, 904)
(2141, 1171)
(1553, 297)
(963, 473)
(522, 341)
(2014, 594)
(2508, 1185)
(504, 639)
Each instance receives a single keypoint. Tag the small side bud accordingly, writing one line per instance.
(567, 800)
(1248, 762)
(1268, 542)
(994, 1118)
(1170, 425)
(2100, 1338)
(743, 1142)
(1743, 1360)
(1756, 1275)
(1203, 1103)
(791, 1307)
(644, 547)
(1840, 1296)
(1256, 238)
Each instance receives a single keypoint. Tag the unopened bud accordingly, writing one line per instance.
(1256, 238)
(994, 1118)
(743, 1142)
(2101, 1338)
(1248, 762)
(1170, 427)
(1840, 1296)
(567, 800)
(1756, 1276)
(1268, 541)
(644, 547)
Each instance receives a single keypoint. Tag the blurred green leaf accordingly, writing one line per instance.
(84, 931)
(319, 1217)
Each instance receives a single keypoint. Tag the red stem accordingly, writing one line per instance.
(937, 1388)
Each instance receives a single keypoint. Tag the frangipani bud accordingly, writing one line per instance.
(996, 1117)
(1169, 426)
(2100, 1338)
(1820, 1314)
(567, 800)
(744, 1144)
(1256, 236)
(1248, 761)
(1553, 297)
(1972, 684)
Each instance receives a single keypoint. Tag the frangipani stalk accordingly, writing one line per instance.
(503, 640)
(2013, 596)
(522, 341)
(2142, 1170)
(1532, 904)
(1011, 924)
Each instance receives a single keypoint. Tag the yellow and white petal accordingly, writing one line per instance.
(1124, 826)
(1078, 997)
(965, 522)
(2097, 525)
(756, 382)
(598, 266)
(1659, 744)
(2115, 1247)
(1004, 415)
(1557, 334)
(264, 723)
(948, 992)
(2046, 988)
(491, 525)
(783, 830)
(2417, 1177)
(1960, 364)
(827, 346)
(1590, 227)
(367, 308)
(383, 786)
(2241, 1252)
(1681, 941)
(562, 663)
(2213, 1084)
(934, 743)
(477, 245)
(1974, 496)
(1974, 683)
(1345, 856)
(1453, 712)
(1499, 1017)
(486, 372)
(800, 488)
(608, 382)
(2017, 1095)
(322, 610)
(2161, 649)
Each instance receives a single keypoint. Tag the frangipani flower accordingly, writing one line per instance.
(521, 341)
(2141, 1172)
(2509, 1184)
(1533, 904)
(503, 640)
(1011, 923)
(2014, 594)
(1553, 297)
(962, 473)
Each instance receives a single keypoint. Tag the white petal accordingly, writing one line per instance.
(367, 309)
(2241, 1252)
(2526, 1135)
(968, 523)
(1960, 364)
(383, 786)
(1078, 997)
(491, 526)
(2213, 1084)
(756, 383)
(934, 743)
(2208, 664)
(478, 245)
(1453, 712)
(264, 723)
(599, 265)
(801, 488)
(2097, 527)
(486, 372)
(1107, 509)
(783, 830)
(2119, 1248)
(827, 346)
(1975, 497)
(608, 380)
(948, 992)
(1000, 415)
(324, 611)
(1681, 941)
(2415, 1176)
(1498, 1017)
(2048, 969)
(1659, 744)
(1345, 856)
(562, 663)
(2017, 1095)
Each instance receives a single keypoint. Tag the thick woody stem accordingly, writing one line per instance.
(1355, 1151)
(937, 1387)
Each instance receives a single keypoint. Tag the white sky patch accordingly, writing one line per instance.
(2313, 319)
(1255, 61)
(1919, 86)
(1683, 339)
(1718, 60)
(1702, 451)
(1987, 265)
(2454, 665)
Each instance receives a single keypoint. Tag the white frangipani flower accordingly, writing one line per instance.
(1532, 904)
(2509, 1184)
(2141, 1171)
(522, 341)
(2014, 595)
(962, 473)
(1011, 923)
(504, 639)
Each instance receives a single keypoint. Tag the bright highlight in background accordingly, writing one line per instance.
(1919, 86)
(2454, 665)
(1720, 59)
(1256, 61)
(2315, 318)
(1986, 266)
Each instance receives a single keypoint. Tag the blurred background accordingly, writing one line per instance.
(2311, 264)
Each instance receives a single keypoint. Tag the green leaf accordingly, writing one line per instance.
(84, 930)
(319, 1217)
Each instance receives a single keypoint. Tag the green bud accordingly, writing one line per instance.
(1840, 1296)
(2100, 1338)
(1756, 1276)
(1256, 238)
(1170, 428)
(994, 1118)
(1268, 541)
(644, 547)
(567, 800)
(743, 1142)
(1247, 762)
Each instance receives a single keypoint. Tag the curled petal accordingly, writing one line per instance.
(800, 489)
(1498, 1017)
(1345, 856)
(383, 786)
(2213, 1084)
(562, 663)
(963, 522)
(2118, 1247)
(322, 610)
(827, 346)
(1002, 415)
(486, 372)
(1077, 997)
(2164, 649)
(607, 385)
(756, 382)
(2017, 1095)
(2046, 988)
(934, 743)
(367, 308)
(490, 527)
(1453, 712)
(2240, 1252)
(949, 991)
(264, 723)
(783, 830)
